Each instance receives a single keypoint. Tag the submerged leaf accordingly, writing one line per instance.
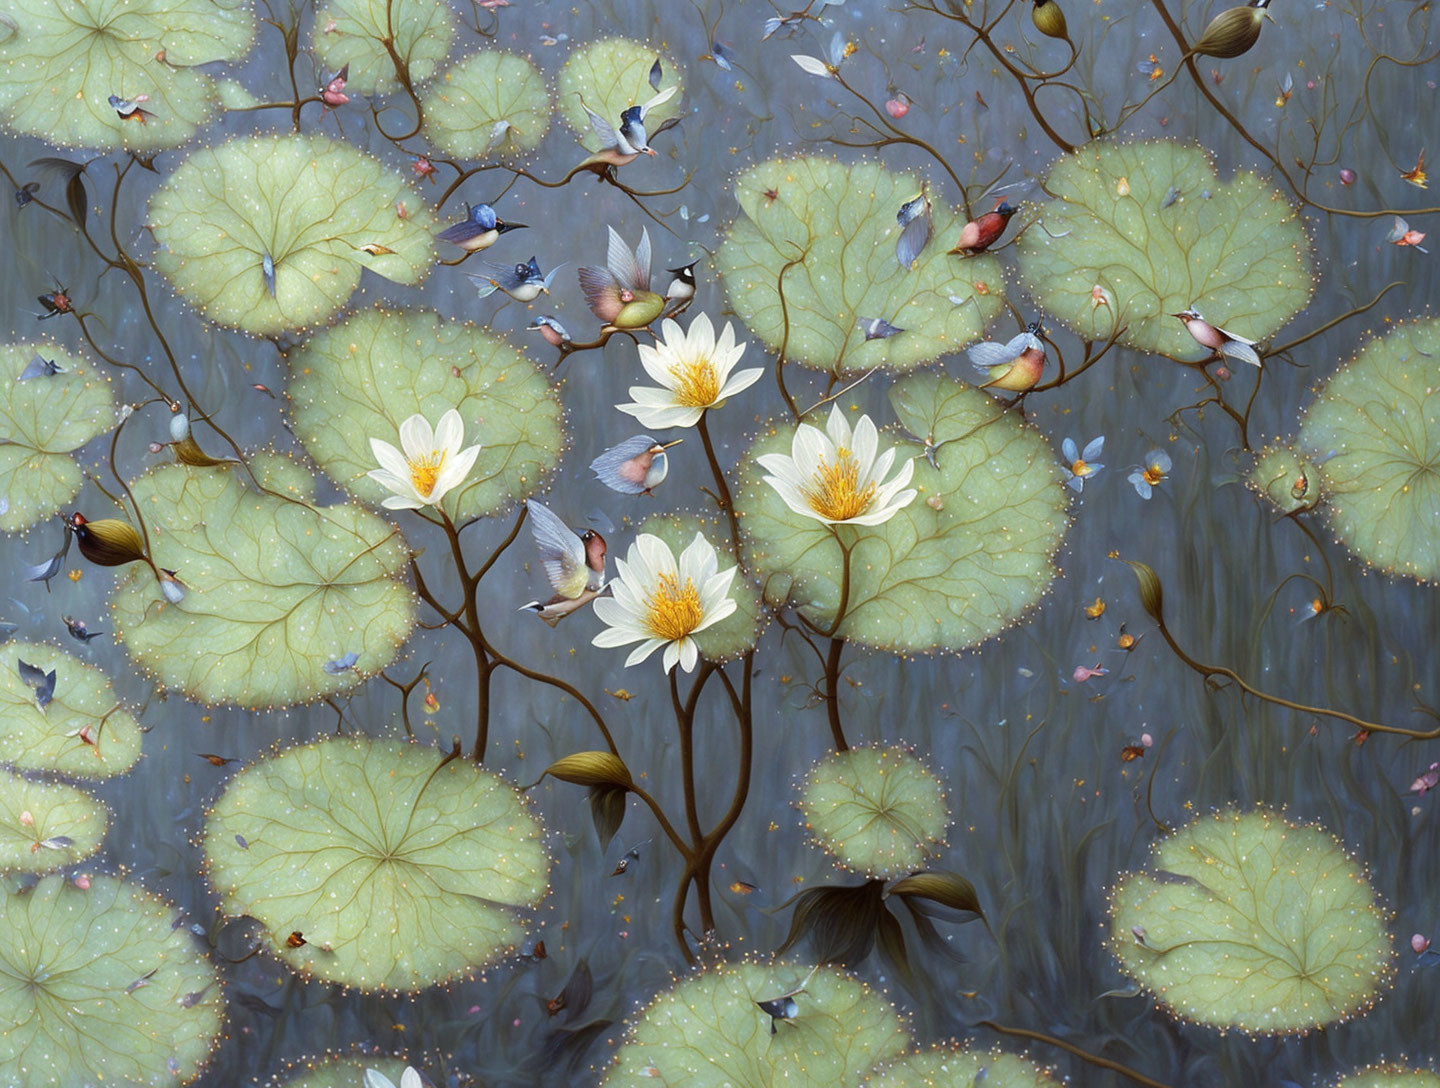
(610, 76)
(489, 104)
(45, 826)
(419, 31)
(955, 1066)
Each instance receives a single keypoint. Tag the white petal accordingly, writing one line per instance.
(811, 65)
(655, 557)
(449, 436)
(740, 381)
(401, 502)
(657, 365)
(698, 561)
(864, 441)
(810, 449)
(662, 418)
(376, 1079)
(838, 427)
(612, 637)
(640, 653)
(388, 457)
(410, 1078)
(689, 653)
(416, 438)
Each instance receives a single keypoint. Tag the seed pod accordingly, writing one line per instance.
(1231, 33)
(188, 452)
(179, 425)
(108, 542)
(1049, 19)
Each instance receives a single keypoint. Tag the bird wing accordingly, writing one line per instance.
(602, 128)
(991, 353)
(493, 275)
(561, 552)
(622, 261)
(913, 239)
(659, 99)
(1241, 351)
(459, 232)
(602, 293)
(1235, 336)
(1023, 342)
(550, 276)
(616, 467)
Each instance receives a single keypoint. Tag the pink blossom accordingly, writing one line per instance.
(898, 106)
(1085, 672)
(1419, 943)
(1427, 781)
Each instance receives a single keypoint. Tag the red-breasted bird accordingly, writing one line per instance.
(1015, 365)
(573, 561)
(635, 467)
(980, 234)
(623, 143)
(1218, 340)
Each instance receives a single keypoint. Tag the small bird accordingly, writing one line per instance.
(549, 327)
(620, 146)
(43, 682)
(1233, 31)
(635, 467)
(915, 230)
(681, 289)
(479, 229)
(1218, 340)
(1015, 365)
(79, 630)
(56, 302)
(877, 328)
(332, 94)
(522, 282)
(619, 294)
(980, 234)
(574, 562)
(129, 109)
(40, 368)
(1049, 19)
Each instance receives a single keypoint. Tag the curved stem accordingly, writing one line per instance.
(832, 693)
(1085, 1055)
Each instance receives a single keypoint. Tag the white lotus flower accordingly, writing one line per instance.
(659, 602)
(431, 465)
(834, 475)
(408, 1079)
(694, 370)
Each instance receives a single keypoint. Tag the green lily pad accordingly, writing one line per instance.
(492, 103)
(967, 558)
(398, 873)
(1239, 255)
(337, 1072)
(1390, 1075)
(41, 421)
(420, 30)
(1253, 923)
(102, 985)
(63, 59)
(610, 76)
(738, 632)
(1374, 430)
(831, 232)
(1287, 478)
(57, 813)
(309, 203)
(276, 588)
(32, 739)
(955, 1066)
(708, 1032)
(877, 811)
(367, 375)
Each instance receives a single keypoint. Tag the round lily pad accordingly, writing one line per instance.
(955, 1066)
(1152, 224)
(101, 985)
(354, 32)
(395, 872)
(32, 739)
(967, 558)
(364, 377)
(64, 59)
(709, 1032)
(318, 209)
(489, 104)
(276, 588)
(1374, 430)
(1247, 921)
(42, 419)
(1287, 478)
(830, 230)
(738, 632)
(46, 826)
(877, 811)
(1390, 1075)
(610, 76)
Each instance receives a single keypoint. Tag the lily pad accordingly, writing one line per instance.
(365, 376)
(1246, 921)
(738, 632)
(398, 873)
(1390, 1075)
(1287, 478)
(63, 59)
(338, 1072)
(276, 587)
(102, 985)
(320, 210)
(1374, 430)
(956, 1066)
(828, 235)
(42, 420)
(492, 103)
(1153, 224)
(50, 740)
(354, 32)
(708, 1032)
(967, 558)
(610, 76)
(877, 811)
(65, 825)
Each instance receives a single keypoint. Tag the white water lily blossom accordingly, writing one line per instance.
(408, 1079)
(431, 464)
(659, 602)
(835, 475)
(694, 372)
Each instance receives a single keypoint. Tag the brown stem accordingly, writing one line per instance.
(832, 693)
(1093, 1059)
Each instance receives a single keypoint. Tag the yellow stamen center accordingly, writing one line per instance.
(673, 610)
(1080, 468)
(425, 470)
(696, 383)
(1154, 474)
(835, 493)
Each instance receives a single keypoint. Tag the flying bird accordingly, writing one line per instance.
(574, 563)
(619, 294)
(621, 145)
(523, 282)
(1015, 365)
(635, 467)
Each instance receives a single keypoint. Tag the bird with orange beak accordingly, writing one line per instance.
(574, 563)
(1222, 342)
(978, 235)
(1015, 365)
(635, 467)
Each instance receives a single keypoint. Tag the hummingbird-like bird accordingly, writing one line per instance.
(980, 234)
(620, 146)
(129, 109)
(619, 294)
(549, 327)
(523, 282)
(1015, 365)
(681, 290)
(479, 230)
(1222, 342)
(635, 467)
(574, 562)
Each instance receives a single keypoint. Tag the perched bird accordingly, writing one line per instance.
(915, 230)
(332, 94)
(550, 328)
(40, 368)
(1015, 365)
(1233, 31)
(634, 467)
(1218, 340)
(522, 282)
(574, 562)
(479, 229)
(129, 109)
(621, 145)
(619, 294)
(1049, 19)
(681, 290)
(980, 234)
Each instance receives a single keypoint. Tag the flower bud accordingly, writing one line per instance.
(108, 542)
(188, 452)
(1231, 33)
(179, 427)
